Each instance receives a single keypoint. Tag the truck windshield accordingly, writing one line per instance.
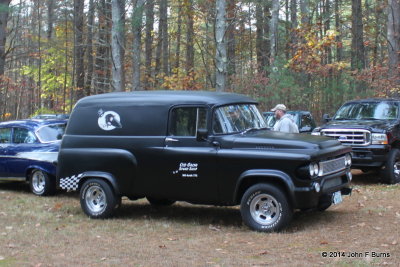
(51, 133)
(368, 111)
(237, 118)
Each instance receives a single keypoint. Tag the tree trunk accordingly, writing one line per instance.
(393, 39)
(189, 37)
(149, 42)
(50, 18)
(230, 36)
(78, 45)
(339, 49)
(137, 44)
(220, 55)
(101, 83)
(178, 37)
(357, 43)
(274, 31)
(305, 13)
(118, 45)
(165, 37)
(4, 11)
(89, 49)
(294, 24)
(260, 36)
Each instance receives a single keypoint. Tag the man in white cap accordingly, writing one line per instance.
(284, 121)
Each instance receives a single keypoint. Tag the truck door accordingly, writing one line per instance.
(189, 165)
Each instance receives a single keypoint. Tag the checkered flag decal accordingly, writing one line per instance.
(70, 183)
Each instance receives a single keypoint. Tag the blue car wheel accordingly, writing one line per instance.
(40, 183)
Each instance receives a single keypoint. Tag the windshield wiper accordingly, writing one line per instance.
(253, 129)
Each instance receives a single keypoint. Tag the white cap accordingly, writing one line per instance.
(279, 107)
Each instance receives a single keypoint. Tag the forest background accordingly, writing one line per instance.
(308, 54)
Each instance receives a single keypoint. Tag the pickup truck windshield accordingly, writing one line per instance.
(237, 118)
(368, 111)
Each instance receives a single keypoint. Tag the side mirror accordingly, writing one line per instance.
(326, 118)
(201, 135)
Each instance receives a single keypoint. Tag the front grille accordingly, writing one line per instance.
(357, 137)
(331, 166)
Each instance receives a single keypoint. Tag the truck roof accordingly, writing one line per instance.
(167, 98)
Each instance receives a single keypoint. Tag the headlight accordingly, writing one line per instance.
(314, 169)
(316, 131)
(379, 139)
(347, 160)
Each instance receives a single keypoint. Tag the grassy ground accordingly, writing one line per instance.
(364, 230)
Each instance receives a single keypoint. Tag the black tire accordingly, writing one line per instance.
(275, 217)
(41, 183)
(160, 202)
(98, 199)
(391, 171)
(325, 202)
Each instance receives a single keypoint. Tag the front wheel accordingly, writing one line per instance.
(391, 172)
(265, 208)
(41, 183)
(98, 199)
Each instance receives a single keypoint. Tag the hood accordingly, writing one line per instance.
(371, 125)
(270, 140)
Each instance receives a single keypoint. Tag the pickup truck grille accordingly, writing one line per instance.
(331, 166)
(358, 137)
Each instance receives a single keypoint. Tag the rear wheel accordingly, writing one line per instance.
(391, 172)
(98, 199)
(265, 208)
(41, 183)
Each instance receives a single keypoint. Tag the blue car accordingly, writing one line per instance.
(28, 151)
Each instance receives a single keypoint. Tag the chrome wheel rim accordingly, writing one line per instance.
(95, 199)
(38, 182)
(265, 209)
(396, 169)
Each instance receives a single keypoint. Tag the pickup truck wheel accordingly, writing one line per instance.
(98, 199)
(160, 202)
(391, 172)
(41, 183)
(265, 208)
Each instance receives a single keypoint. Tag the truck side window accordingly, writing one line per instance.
(186, 120)
(306, 122)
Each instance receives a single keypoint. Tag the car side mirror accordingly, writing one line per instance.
(201, 135)
(326, 118)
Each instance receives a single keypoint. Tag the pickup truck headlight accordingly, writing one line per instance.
(316, 131)
(314, 169)
(379, 139)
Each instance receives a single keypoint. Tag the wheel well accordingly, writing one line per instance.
(250, 181)
(84, 179)
(396, 144)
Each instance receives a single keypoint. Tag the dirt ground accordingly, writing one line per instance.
(364, 230)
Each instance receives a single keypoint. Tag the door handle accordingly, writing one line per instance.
(169, 139)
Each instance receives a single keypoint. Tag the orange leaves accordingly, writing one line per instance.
(179, 80)
(311, 52)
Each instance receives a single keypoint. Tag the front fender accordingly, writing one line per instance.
(251, 177)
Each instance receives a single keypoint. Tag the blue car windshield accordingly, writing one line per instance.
(368, 111)
(51, 133)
